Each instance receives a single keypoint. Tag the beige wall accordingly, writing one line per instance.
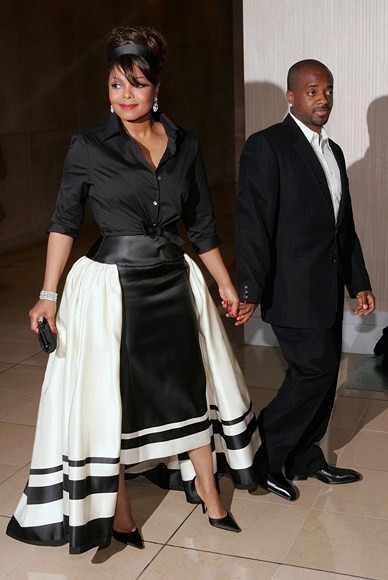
(53, 71)
(350, 37)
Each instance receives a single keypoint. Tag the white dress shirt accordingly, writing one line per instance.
(322, 149)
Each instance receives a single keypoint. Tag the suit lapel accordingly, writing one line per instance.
(344, 183)
(305, 150)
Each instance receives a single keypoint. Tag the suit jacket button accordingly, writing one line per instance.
(332, 259)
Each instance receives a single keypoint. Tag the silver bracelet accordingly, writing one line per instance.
(47, 295)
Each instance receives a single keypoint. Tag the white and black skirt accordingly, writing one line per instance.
(143, 373)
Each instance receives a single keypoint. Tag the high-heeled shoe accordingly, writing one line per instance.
(226, 523)
(130, 538)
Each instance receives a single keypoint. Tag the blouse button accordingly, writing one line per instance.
(159, 178)
(155, 202)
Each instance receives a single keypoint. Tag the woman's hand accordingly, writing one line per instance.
(236, 309)
(230, 300)
(45, 308)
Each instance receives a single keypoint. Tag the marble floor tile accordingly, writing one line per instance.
(6, 470)
(11, 552)
(261, 398)
(25, 414)
(262, 376)
(266, 356)
(268, 531)
(363, 498)
(17, 332)
(117, 562)
(342, 543)
(375, 417)
(11, 491)
(12, 313)
(5, 366)
(366, 449)
(40, 359)
(16, 443)
(296, 573)
(22, 378)
(351, 361)
(334, 443)
(16, 352)
(343, 391)
(172, 561)
(157, 512)
(347, 412)
(242, 351)
(12, 400)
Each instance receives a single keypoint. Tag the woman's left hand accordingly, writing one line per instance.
(230, 300)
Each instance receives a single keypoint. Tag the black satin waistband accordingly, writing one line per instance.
(139, 250)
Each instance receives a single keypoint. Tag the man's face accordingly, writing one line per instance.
(311, 97)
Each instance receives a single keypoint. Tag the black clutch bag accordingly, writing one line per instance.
(47, 339)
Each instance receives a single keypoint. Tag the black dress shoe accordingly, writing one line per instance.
(330, 475)
(277, 483)
(129, 538)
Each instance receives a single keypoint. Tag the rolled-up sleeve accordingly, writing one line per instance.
(70, 206)
(198, 216)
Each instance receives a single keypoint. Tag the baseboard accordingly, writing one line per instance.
(360, 333)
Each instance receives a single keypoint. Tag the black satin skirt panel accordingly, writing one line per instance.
(141, 251)
(161, 369)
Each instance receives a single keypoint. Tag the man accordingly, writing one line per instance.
(297, 248)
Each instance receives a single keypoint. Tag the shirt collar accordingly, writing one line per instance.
(321, 138)
(114, 127)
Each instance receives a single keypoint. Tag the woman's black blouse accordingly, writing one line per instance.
(127, 197)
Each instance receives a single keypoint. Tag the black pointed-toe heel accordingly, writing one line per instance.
(193, 497)
(191, 492)
(226, 523)
(129, 538)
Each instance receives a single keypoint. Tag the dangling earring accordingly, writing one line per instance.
(155, 106)
(112, 109)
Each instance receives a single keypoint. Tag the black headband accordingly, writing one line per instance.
(135, 49)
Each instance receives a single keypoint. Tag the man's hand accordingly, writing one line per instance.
(245, 312)
(366, 303)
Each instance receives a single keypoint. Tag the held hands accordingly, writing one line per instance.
(366, 303)
(45, 308)
(236, 309)
(245, 312)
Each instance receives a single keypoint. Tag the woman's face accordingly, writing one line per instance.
(131, 102)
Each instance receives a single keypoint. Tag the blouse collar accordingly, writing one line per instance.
(114, 127)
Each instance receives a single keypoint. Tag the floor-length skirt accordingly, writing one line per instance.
(143, 373)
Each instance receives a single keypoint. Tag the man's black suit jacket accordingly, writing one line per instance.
(293, 258)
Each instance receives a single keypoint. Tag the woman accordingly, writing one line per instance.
(143, 380)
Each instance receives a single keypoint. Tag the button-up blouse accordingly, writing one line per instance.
(107, 168)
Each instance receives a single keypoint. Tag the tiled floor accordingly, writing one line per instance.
(329, 533)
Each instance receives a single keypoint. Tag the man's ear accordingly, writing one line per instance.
(290, 97)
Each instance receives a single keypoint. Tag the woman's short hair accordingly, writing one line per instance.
(145, 37)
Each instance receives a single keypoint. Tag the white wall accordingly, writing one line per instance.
(350, 37)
